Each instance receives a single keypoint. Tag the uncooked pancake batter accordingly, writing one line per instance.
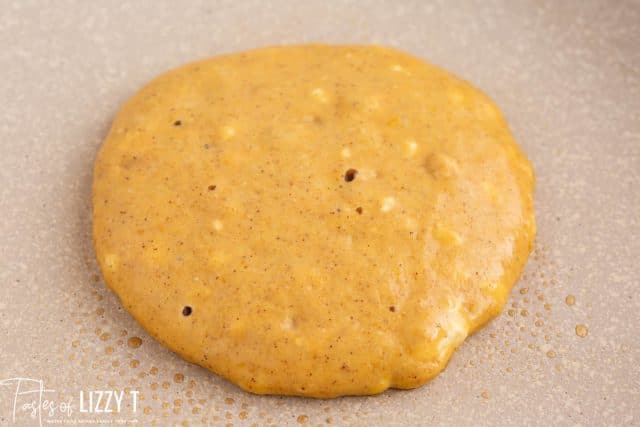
(312, 220)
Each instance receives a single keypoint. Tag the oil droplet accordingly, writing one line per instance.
(75, 343)
(135, 342)
(524, 291)
(153, 371)
(551, 354)
(302, 419)
(243, 415)
(100, 311)
(485, 394)
(154, 386)
(115, 363)
(229, 401)
(195, 411)
(147, 410)
(105, 336)
(539, 323)
(570, 300)
(134, 363)
(108, 350)
(165, 385)
(524, 313)
(582, 330)
(178, 378)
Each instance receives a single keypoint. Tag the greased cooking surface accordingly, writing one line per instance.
(312, 220)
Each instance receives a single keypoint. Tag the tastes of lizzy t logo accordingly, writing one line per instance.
(30, 401)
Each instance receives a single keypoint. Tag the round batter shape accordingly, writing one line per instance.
(312, 220)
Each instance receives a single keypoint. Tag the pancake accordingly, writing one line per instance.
(312, 220)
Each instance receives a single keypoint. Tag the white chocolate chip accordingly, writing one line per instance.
(320, 94)
(397, 68)
(412, 147)
(388, 203)
(228, 132)
(366, 174)
(287, 323)
(490, 190)
(218, 258)
(456, 97)
(440, 165)
(373, 103)
(456, 327)
(112, 262)
(216, 224)
(447, 236)
(488, 111)
(345, 153)
(411, 224)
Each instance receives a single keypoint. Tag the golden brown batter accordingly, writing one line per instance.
(312, 220)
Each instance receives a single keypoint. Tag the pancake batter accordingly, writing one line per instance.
(312, 220)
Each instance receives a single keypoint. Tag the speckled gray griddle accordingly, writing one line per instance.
(566, 76)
